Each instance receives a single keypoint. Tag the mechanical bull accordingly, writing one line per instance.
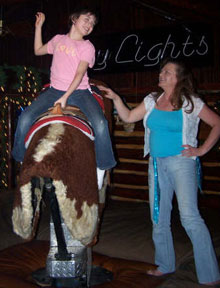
(60, 163)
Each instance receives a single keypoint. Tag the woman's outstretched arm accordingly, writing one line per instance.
(124, 112)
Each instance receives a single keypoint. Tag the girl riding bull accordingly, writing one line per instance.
(69, 84)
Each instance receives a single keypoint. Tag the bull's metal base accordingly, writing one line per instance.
(76, 269)
(99, 276)
(70, 283)
(69, 262)
(76, 265)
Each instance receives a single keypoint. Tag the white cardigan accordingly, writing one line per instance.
(190, 121)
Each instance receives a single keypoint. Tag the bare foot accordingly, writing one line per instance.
(155, 272)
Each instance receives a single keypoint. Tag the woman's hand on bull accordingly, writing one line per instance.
(62, 101)
(109, 93)
(190, 151)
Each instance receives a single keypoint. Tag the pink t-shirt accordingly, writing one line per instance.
(67, 54)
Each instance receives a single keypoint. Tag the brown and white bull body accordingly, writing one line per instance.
(67, 156)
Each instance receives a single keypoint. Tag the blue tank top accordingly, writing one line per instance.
(165, 132)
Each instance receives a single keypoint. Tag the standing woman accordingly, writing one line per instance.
(171, 120)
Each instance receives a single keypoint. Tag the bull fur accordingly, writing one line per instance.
(66, 155)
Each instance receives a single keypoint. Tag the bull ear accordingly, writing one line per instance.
(57, 110)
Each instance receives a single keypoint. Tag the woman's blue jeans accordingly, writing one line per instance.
(178, 173)
(88, 105)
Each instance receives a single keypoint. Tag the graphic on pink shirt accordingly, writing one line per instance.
(68, 50)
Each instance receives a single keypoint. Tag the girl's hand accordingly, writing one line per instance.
(61, 101)
(40, 18)
(190, 151)
(108, 92)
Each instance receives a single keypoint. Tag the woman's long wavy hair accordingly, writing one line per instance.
(185, 87)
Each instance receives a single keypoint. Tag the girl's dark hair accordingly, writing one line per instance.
(76, 14)
(185, 87)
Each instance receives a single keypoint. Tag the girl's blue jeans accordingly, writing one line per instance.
(88, 105)
(178, 173)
